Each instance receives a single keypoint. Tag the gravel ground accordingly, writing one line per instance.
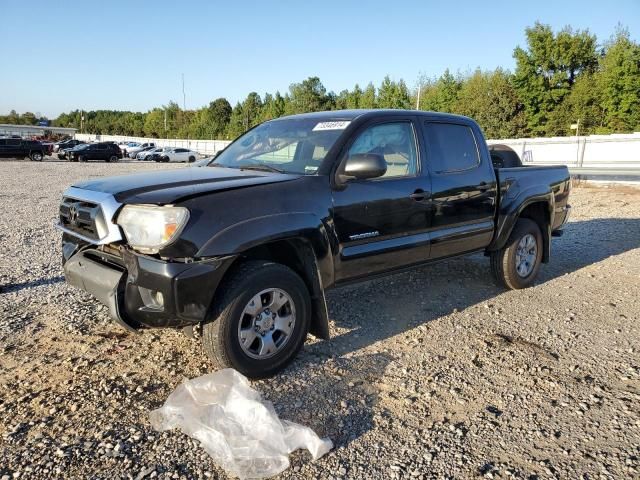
(435, 373)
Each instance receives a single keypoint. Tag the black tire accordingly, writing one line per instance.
(36, 156)
(220, 337)
(82, 158)
(112, 158)
(192, 159)
(504, 261)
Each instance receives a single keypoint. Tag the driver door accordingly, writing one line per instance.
(382, 223)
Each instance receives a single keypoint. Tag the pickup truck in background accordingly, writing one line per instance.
(19, 148)
(244, 248)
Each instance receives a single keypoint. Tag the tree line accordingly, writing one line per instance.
(561, 79)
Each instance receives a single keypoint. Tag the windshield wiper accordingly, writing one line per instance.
(261, 166)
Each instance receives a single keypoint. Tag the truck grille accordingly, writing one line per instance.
(83, 218)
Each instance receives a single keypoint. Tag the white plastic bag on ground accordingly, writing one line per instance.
(235, 426)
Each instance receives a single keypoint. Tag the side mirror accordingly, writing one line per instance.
(361, 166)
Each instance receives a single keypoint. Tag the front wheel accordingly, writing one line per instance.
(36, 156)
(260, 320)
(192, 159)
(82, 158)
(516, 265)
(112, 158)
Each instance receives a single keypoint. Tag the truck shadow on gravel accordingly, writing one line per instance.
(16, 287)
(341, 405)
(382, 308)
(588, 242)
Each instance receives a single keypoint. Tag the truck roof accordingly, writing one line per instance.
(356, 113)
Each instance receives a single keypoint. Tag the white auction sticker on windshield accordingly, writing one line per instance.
(341, 125)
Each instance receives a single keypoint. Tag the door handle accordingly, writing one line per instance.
(419, 195)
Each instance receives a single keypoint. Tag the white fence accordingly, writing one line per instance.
(204, 147)
(619, 151)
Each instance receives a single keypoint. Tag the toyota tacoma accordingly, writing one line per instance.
(243, 248)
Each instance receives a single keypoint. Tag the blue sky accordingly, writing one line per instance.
(130, 55)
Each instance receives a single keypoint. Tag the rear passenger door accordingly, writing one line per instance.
(13, 148)
(181, 155)
(464, 189)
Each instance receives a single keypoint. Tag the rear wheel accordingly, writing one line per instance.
(516, 265)
(260, 321)
(112, 158)
(192, 159)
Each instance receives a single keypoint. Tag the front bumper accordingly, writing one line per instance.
(131, 286)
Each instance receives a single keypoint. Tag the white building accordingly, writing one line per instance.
(7, 130)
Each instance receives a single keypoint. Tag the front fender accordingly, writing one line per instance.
(242, 236)
(317, 261)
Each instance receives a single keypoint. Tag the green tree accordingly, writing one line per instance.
(491, 100)
(154, 124)
(393, 94)
(619, 83)
(368, 97)
(273, 106)
(548, 68)
(237, 123)
(440, 95)
(308, 96)
(354, 98)
(583, 105)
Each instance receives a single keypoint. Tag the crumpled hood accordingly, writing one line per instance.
(170, 186)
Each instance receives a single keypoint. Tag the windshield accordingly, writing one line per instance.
(289, 145)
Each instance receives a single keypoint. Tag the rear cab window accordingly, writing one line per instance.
(451, 147)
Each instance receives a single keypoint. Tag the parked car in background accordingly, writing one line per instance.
(66, 144)
(19, 148)
(108, 152)
(145, 154)
(178, 155)
(133, 151)
(125, 146)
(134, 155)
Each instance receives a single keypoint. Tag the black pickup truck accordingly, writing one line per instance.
(19, 148)
(244, 248)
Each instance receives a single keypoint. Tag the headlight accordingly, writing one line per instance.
(149, 228)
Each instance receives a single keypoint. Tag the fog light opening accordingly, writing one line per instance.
(152, 298)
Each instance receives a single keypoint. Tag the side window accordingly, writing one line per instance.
(284, 155)
(14, 142)
(396, 143)
(452, 147)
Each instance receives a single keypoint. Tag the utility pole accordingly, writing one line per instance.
(418, 101)
(165, 123)
(184, 98)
